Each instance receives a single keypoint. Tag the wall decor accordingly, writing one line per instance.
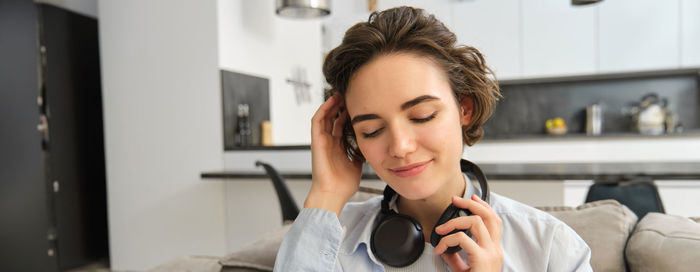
(301, 85)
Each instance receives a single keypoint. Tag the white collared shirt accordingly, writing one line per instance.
(532, 240)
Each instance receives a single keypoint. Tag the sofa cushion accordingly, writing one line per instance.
(605, 225)
(661, 242)
(258, 255)
(190, 264)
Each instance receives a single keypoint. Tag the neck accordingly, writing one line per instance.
(428, 210)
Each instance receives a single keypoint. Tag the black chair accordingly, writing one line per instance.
(290, 210)
(640, 195)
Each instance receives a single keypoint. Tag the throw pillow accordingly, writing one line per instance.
(258, 255)
(605, 225)
(663, 242)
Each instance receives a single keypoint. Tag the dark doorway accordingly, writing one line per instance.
(53, 203)
(73, 96)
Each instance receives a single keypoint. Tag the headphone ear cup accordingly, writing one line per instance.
(451, 212)
(397, 240)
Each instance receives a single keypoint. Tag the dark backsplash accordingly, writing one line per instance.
(238, 88)
(527, 104)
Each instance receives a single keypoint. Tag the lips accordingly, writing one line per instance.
(411, 169)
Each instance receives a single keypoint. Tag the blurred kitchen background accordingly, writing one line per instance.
(130, 128)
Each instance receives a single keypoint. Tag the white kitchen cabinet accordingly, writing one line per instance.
(493, 28)
(690, 33)
(536, 38)
(639, 35)
(558, 38)
(680, 197)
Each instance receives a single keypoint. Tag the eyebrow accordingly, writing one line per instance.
(406, 105)
(417, 101)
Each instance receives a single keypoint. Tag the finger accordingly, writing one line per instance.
(317, 119)
(455, 262)
(457, 239)
(473, 206)
(339, 123)
(494, 223)
(331, 114)
(473, 223)
(481, 201)
(320, 122)
(490, 218)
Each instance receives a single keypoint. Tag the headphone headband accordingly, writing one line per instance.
(388, 195)
(472, 169)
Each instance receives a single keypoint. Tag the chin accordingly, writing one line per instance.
(414, 189)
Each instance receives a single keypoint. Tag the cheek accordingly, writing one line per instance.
(443, 134)
(371, 150)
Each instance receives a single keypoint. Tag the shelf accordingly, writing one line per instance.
(583, 136)
(603, 77)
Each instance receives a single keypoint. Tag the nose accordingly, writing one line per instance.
(402, 143)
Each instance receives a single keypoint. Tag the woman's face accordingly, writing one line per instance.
(407, 122)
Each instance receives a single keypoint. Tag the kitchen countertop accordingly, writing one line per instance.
(601, 172)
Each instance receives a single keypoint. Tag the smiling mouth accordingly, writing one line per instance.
(411, 169)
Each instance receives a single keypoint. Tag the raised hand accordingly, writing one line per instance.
(486, 253)
(335, 178)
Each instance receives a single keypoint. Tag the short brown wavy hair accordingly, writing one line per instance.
(412, 30)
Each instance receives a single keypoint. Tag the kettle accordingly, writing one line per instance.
(649, 117)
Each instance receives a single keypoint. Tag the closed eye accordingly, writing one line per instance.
(372, 134)
(416, 120)
(423, 120)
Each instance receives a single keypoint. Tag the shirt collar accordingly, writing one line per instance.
(361, 235)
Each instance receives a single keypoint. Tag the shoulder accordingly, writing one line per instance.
(548, 241)
(509, 208)
(519, 216)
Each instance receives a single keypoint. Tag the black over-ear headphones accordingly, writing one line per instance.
(397, 239)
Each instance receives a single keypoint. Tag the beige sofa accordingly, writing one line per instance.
(618, 242)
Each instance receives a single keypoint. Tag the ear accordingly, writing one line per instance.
(466, 106)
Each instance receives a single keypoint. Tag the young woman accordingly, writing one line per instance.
(406, 99)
